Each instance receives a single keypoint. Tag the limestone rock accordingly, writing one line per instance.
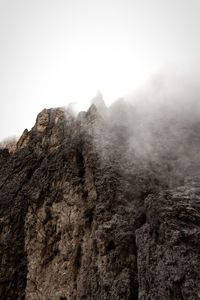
(82, 216)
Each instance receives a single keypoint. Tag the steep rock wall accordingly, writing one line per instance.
(83, 217)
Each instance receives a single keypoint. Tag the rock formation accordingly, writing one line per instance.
(87, 211)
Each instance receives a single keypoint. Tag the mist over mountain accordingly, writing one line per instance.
(105, 204)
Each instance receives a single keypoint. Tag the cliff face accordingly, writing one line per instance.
(84, 215)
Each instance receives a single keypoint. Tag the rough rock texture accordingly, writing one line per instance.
(168, 246)
(83, 216)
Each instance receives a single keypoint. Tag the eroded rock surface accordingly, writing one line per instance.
(84, 217)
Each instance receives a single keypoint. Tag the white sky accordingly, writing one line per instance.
(56, 52)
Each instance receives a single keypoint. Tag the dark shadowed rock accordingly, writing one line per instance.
(168, 245)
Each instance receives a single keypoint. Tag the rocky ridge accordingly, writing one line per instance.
(84, 215)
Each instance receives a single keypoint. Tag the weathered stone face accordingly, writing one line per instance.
(84, 217)
(42, 121)
(168, 245)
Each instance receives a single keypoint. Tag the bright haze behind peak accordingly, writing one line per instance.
(58, 52)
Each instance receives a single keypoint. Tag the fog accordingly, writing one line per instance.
(157, 111)
(155, 128)
(57, 52)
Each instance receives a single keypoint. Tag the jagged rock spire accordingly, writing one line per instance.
(99, 103)
(98, 100)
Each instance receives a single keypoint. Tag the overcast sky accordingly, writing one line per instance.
(56, 52)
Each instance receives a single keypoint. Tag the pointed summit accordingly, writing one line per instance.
(99, 103)
(98, 100)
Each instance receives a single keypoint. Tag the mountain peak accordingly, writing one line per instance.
(88, 211)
